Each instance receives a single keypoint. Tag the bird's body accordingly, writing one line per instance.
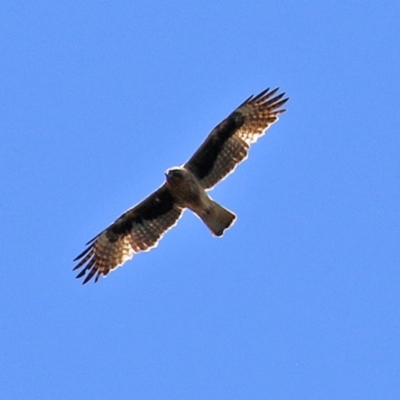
(189, 192)
(186, 188)
(141, 227)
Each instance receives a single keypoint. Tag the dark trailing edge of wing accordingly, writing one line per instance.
(155, 205)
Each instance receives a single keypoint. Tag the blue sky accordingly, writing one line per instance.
(300, 299)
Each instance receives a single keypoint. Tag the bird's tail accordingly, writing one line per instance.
(217, 218)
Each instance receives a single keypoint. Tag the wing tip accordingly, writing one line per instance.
(87, 261)
(266, 98)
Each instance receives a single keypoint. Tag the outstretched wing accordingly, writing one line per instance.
(138, 229)
(228, 143)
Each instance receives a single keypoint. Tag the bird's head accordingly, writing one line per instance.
(174, 174)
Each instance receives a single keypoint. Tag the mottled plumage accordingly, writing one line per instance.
(141, 227)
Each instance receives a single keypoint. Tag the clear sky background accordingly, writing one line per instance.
(300, 299)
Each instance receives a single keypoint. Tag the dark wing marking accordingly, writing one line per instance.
(138, 229)
(228, 143)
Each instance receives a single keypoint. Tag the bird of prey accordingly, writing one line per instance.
(141, 227)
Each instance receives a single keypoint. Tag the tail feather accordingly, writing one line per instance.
(217, 218)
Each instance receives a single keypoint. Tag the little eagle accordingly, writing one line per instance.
(141, 227)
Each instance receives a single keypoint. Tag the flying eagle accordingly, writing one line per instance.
(141, 227)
